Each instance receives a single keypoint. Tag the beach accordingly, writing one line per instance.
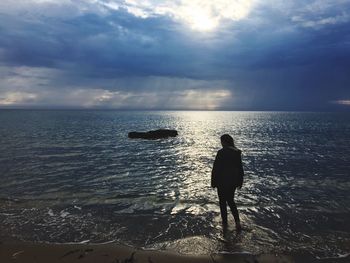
(116, 253)
(192, 131)
(89, 253)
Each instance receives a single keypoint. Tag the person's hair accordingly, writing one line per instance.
(227, 140)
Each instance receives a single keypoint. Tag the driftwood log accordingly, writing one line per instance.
(157, 134)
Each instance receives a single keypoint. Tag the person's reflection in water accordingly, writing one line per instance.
(227, 175)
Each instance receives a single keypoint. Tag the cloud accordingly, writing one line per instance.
(322, 13)
(15, 98)
(341, 102)
(102, 98)
(45, 87)
(104, 53)
(200, 99)
(198, 14)
(317, 23)
(34, 9)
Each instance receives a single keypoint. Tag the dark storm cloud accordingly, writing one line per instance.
(281, 56)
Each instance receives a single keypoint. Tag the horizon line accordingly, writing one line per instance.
(342, 109)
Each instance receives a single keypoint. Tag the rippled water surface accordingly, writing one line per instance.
(73, 176)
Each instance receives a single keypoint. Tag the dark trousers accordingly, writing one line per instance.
(226, 197)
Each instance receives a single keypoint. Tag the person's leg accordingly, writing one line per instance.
(231, 203)
(223, 208)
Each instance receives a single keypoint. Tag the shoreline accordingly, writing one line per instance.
(117, 253)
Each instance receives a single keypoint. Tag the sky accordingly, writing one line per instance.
(175, 55)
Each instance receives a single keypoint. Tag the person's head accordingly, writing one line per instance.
(227, 140)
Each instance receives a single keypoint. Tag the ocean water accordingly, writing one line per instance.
(74, 176)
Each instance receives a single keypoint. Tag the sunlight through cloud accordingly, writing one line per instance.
(17, 97)
(199, 15)
(207, 15)
(98, 97)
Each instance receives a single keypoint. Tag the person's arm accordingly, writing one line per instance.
(215, 172)
(241, 171)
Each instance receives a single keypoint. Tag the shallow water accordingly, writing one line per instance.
(73, 176)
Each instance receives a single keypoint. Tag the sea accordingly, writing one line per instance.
(76, 177)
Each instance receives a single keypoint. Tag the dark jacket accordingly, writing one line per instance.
(228, 169)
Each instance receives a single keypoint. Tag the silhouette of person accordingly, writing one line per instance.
(227, 175)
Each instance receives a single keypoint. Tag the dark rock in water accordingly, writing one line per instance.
(157, 134)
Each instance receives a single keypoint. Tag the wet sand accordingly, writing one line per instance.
(112, 253)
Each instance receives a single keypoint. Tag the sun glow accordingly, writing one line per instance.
(207, 15)
(199, 18)
(202, 22)
(200, 15)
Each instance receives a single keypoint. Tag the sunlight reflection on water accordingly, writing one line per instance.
(74, 175)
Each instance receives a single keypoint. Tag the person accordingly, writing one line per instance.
(227, 175)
